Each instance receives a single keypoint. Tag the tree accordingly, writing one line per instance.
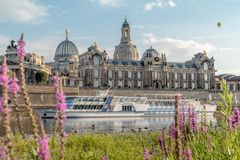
(41, 77)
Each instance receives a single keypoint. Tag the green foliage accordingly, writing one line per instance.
(41, 77)
(10, 73)
(225, 106)
(213, 143)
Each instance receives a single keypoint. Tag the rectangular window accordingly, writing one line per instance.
(96, 84)
(184, 85)
(119, 83)
(139, 84)
(129, 74)
(184, 76)
(119, 74)
(96, 73)
(193, 76)
(110, 74)
(139, 75)
(206, 77)
(176, 76)
(156, 75)
(80, 83)
(110, 83)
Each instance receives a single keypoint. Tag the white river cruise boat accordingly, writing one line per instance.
(108, 106)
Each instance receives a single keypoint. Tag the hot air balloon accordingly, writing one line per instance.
(219, 24)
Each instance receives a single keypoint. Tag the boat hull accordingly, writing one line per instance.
(77, 114)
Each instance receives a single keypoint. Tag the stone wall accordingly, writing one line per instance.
(43, 96)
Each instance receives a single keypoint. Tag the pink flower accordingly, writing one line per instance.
(44, 152)
(181, 121)
(3, 154)
(14, 87)
(191, 119)
(188, 154)
(4, 76)
(172, 131)
(146, 154)
(60, 97)
(1, 105)
(56, 81)
(234, 119)
(20, 51)
(105, 157)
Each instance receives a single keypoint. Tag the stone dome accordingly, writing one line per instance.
(66, 48)
(151, 53)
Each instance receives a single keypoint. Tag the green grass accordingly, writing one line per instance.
(215, 144)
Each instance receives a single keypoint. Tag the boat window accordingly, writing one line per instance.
(127, 108)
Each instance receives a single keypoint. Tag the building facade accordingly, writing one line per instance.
(233, 81)
(152, 71)
(66, 62)
(32, 63)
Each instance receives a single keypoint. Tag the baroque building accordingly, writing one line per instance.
(66, 62)
(233, 81)
(152, 71)
(32, 63)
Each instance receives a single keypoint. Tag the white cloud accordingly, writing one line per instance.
(227, 49)
(22, 11)
(113, 3)
(137, 27)
(177, 48)
(4, 41)
(230, 71)
(171, 4)
(43, 47)
(159, 4)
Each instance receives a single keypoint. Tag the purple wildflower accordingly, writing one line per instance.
(14, 87)
(1, 104)
(188, 154)
(160, 143)
(189, 113)
(3, 153)
(20, 51)
(61, 108)
(172, 131)
(181, 121)
(4, 76)
(234, 119)
(193, 121)
(146, 154)
(44, 152)
(105, 157)
(56, 81)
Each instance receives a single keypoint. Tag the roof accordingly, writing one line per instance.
(229, 77)
(149, 53)
(66, 47)
(125, 62)
(125, 23)
(181, 65)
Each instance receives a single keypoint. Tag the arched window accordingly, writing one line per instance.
(96, 60)
(126, 33)
(205, 66)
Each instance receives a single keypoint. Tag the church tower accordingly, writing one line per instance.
(125, 32)
(126, 50)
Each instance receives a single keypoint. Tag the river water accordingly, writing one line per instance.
(83, 125)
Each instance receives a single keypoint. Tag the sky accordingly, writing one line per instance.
(178, 28)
